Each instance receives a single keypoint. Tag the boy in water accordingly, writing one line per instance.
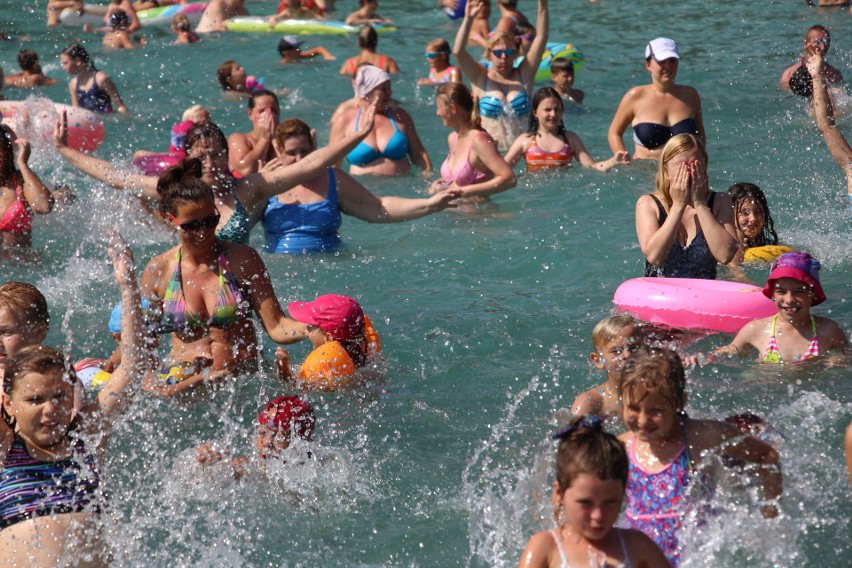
(614, 338)
(562, 77)
(817, 40)
(276, 423)
(31, 74)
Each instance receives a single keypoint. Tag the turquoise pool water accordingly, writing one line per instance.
(485, 319)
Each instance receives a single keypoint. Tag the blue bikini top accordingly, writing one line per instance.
(395, 149)
(650, 135)
(495, 107)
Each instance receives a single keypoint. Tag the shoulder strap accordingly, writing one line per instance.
(711, 200)
(660, 208)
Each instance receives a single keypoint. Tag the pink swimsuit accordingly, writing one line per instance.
(464, 173)
(17, 218)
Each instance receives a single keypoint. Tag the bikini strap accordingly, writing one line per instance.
(358, 118)
(627, 561)
(813, 324)
(772, 329)
(660, 208)
(686, 450)
(557, 538)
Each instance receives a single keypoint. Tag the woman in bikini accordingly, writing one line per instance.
(657, 111)
(684, 229)
(548, 145)
(473, 166)
(503, 90)
(394, 144)
(21, 192)
(210, 319)
(368, 41)
(307, 217)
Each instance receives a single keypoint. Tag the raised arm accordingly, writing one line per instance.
(838, 147)
(751, 450)
(102, 170)
(471, 69)
(36, 195)
(359, 202)
(255, 189)
(531, 61)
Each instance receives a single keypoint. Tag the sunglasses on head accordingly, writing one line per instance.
(209, 222)
(503, 52)
(434, 54)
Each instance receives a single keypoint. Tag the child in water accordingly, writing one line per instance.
(24, 319)
(614, 338)
(591, 476)
(343, 339)
(290, 51)
(276, 423)
(666, 448)
(90, 89)
(233, 79)
(118, 36)
(440, 70)
(562, 77)
(31, 74)
(754, 224)
(182, 28)
(794, 286)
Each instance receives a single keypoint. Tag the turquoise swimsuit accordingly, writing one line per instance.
(396, 148)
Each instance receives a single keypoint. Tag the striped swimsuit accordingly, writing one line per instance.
(772, 355)
(32, 488)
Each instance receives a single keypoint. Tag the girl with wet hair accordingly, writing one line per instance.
(21, 192)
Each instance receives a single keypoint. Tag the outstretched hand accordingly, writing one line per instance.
(622, 157)
(282, 364)
(368, 117)
(816, 64)
(473, 8)
(446, 199)
(23, 152)
(60, 130)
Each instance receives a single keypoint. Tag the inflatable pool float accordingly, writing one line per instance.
(257, 24)
(94, 15)
(766, 253)
(555, 50)
(552, 51)
(688, 303)
(35, 119)
(458, 12)
(155, 164)
(91, 372)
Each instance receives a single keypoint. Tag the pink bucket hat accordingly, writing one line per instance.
(800, 266)
(338, 315)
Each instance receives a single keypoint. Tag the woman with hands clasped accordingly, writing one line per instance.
(684, 229)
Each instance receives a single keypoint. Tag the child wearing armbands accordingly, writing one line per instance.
(591, 475)
(343, 339)
(614, 339)
(666, 448)
(276, 424)
(796, 335)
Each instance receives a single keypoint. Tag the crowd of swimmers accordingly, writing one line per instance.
(276, 175)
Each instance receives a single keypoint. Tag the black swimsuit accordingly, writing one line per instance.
(692, 261)
(651, 135)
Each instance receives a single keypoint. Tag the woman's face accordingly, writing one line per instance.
(69, 65)
(549, 113)
(42, 406)
(214, 159)
(381, 94)
(664, 71)
(196, 222)
(502, 57)
(444, 110)
(688, 157)
(265, 104)
(294, 149)
(750, 218)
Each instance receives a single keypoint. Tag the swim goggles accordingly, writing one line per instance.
(503, 52)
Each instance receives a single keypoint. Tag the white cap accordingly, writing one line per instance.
(661, 48)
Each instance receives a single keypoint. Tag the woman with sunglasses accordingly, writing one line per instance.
(206, 287)
(236, 199)
(503, 90)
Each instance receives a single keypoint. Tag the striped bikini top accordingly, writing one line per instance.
(772, 355)
(229, 309)
(538, 159)
(32, 488)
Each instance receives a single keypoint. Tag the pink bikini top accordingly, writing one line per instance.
(17, 218)
(464, 173)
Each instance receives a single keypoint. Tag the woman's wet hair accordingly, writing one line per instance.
(459, 95)
(182, 184)
(292, 128)
(78, 52)
(204, 132)
(223, 74)
(585, 448)
(34, 359)
(541, 95)
(368, 38)
(742, 192)
(675, 146)
(654, 370)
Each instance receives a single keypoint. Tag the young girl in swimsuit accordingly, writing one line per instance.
(548, 145)
(21, 192)
(344, 340)
(754, 223)
(182, 28)
(793, 334)
(666, 448)
(50, 493)
(118, 36)
(473, 166)
(90, 89)
(591, 475)
(660, 110)
(440, 70)
(503, 90)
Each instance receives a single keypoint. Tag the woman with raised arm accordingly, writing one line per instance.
(503, 91)
(236, 199)
(21, 192)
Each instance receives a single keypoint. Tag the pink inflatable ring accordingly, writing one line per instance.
(689, 303)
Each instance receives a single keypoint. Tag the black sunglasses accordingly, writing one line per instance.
(208, 222)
